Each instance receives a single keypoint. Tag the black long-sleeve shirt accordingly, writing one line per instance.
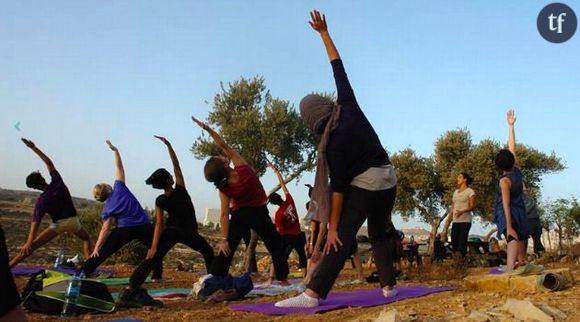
(353, 146)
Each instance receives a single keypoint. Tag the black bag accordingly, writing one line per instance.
(49, 299)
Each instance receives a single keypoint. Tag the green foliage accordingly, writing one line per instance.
(426, 184)
(258, 126)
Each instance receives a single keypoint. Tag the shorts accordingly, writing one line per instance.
(67, 225)
(8, 293)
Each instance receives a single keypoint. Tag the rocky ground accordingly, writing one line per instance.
(463, 304)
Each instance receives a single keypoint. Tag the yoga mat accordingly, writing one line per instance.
(119, 281)
(263, 290)
(31, 270)
(338, 300)
(164, 293)
(496, 271)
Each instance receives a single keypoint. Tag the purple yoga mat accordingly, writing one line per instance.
(31, 270)
(496, 271)
(337, 300)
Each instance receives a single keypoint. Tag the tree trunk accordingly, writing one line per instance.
(250, 263)
(560, 246)
(434, 227)
(549, 240)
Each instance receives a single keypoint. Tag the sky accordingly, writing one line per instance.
(74, 73)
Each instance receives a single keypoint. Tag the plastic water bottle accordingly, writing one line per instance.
(59, 258)
(73, 291)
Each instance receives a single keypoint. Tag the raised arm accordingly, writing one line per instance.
(228, 151)
(280, 178)
(344, 90)
(41, 154)
(119, 170)
(176, 168)
(318, 23)
(511, 120)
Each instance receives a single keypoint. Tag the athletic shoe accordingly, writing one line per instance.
(390, 293)
(126, 300)
(301, 300)
(141, 296)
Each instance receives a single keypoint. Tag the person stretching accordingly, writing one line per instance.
(362, 178)
(132, 223)
(510, 212)
(287, 222)
(240, 188)
(56, 201)
(181, 225)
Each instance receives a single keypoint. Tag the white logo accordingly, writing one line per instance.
(559, 19)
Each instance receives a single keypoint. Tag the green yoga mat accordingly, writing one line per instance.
(119, 281)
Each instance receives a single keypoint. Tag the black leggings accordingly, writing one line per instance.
(459, 236)
(358, 206)
(169, 237)
(118, 238)
(296, 242)
(241, 221)
(8, 291)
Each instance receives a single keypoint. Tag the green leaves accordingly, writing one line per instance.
(426, 184)
(260, 127)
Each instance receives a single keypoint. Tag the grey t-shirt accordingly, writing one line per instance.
(461, 202)
(531, 206)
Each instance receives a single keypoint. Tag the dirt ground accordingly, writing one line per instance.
(446, 306)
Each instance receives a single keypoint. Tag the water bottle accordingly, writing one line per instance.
(73, 291)
(59, 258)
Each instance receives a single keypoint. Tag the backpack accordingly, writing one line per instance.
(45, 293)
(242, 284)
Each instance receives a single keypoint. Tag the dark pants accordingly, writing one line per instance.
(241, 221)
(535, 231)
(459, 236)
(9, 297)
(296, 242)
(118, 238)
(358, 206)
(169, 237)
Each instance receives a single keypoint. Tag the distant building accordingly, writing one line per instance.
(212, 217)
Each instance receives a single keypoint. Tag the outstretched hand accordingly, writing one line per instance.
(111, 146)
(201, 124)
(28, 143)
(511, 117)
(318, 22)
(163, 139)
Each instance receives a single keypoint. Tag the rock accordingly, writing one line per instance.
(553, 311)
(478, 316)
(525, 310)
(388, 316)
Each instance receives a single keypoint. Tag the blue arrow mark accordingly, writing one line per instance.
(17, 126)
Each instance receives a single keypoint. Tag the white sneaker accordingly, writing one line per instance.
(390, 293)
(301, 300)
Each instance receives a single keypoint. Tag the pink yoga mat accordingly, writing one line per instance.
(338, 300)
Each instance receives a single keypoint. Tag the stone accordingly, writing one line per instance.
(478, 316)
(388, 316)
(553, 311)
(526, 310)
(506, 283)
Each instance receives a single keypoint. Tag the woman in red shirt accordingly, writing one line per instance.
(241, 195)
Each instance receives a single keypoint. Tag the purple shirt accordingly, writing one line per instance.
(123, 206)
(55, 201)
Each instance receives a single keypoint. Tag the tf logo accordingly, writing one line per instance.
(557, 23)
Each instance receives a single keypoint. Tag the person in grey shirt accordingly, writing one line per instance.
(534, 223)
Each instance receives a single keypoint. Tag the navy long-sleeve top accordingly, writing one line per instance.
(353, 146)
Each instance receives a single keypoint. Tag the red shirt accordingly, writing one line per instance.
(286, 218)
(248, 192)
